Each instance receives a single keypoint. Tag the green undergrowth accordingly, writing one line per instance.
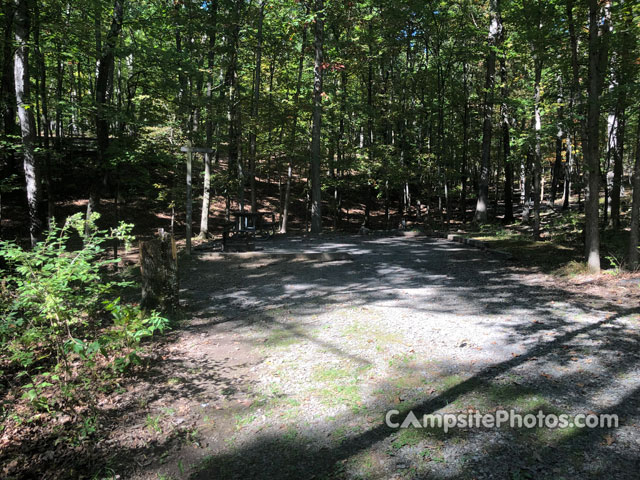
(65, 334)
(560, 248)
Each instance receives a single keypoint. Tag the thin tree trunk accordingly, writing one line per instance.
(506, 146)
(525, 186)
(206, 190)
(608, 180)
(495, 33)
(233, 116)
(206, 195)
(316, 189)
(7, 87)
(568, 171)
(59, 83)
(557, 166)
(339, 144)
(255, 102)
(598, 49)
(104, 88)
(625, 75)
(272, 71)
(576, 106)
(294, 125)
(42, 73)
(537, 158)
(556, 169)
(370, 141)
(634, 235)
(616, 143)
(465, 146)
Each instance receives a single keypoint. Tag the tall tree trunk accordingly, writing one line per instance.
(557, 166)
(465, 145)
(634, 235)
(184, 107)
(568, 171)
(537, 157)
(627, 70)
(440, 152)
(525, 185)
(506, 145)
(7, 90)
(272, 71)
(370, 144)
(618, 152)
(577, 108)
(316, 188)
(59, 83)
(612, 127)
(25, 115)
(7, 87)
(104, 89)
(233, 116)
(292, 142)
(495, 33)
(598, 49)
(255, 102)
(42, 73)
(206, 189)
(340, 149)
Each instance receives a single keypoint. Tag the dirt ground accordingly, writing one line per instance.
(286, 363)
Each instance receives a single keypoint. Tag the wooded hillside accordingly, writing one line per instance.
(340, 114)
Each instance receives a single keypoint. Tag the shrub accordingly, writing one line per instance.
(60, 324)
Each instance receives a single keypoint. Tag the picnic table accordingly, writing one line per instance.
(247, 225)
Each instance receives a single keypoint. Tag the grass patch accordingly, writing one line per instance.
(242, 420)
(449, 382)
(337, 395)
(282, 337)
(412, 380)
(372, 335)
(512, 396)
(365, 465)
(340, 434)
(402, 360)
(410, 437)
(330, 374)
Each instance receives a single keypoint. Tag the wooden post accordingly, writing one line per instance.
(189, 195)
(159, 272)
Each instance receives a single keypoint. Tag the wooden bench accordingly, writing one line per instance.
(246, 226)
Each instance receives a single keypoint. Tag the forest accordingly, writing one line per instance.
(516, 122)
(373, 113)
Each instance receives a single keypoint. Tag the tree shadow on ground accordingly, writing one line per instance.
(126, 433)
(509, 454)
(539, 326)
(465, 282)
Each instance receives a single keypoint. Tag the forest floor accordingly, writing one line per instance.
(559, 249)
(286, 362)
(286, 366)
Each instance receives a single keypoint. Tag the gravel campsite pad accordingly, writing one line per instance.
(287, 364)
